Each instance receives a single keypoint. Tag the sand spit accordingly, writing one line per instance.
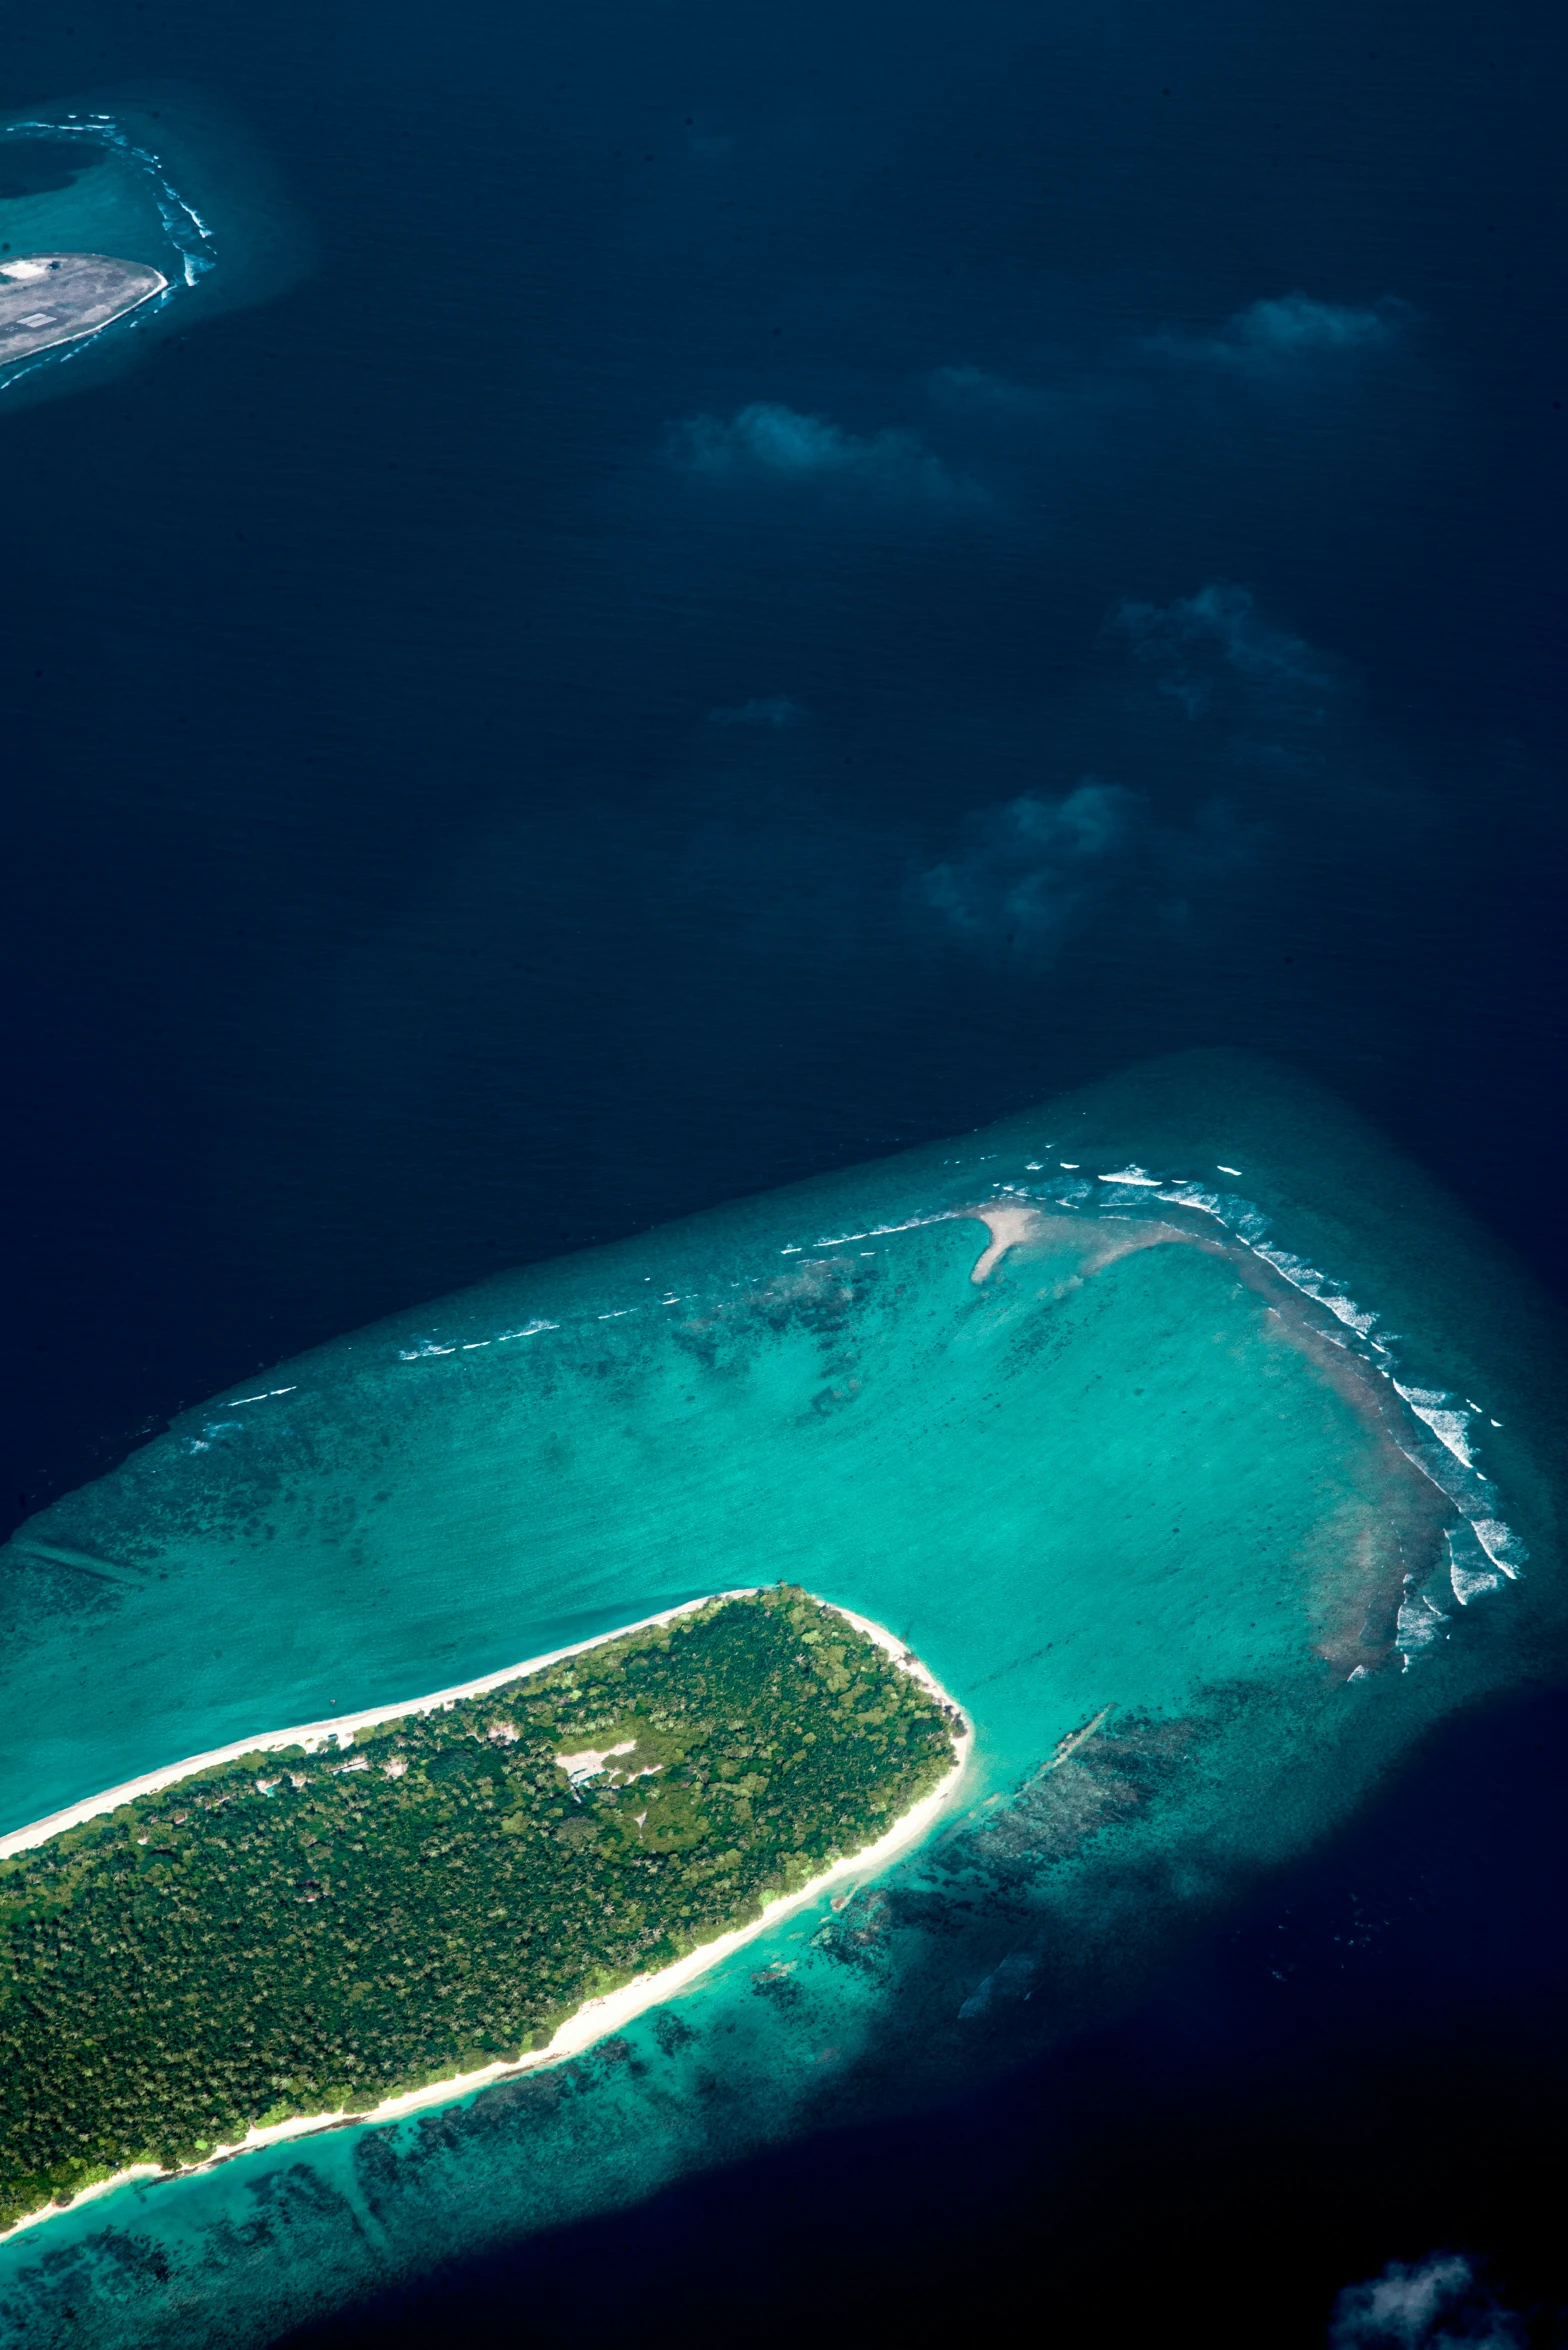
(1096, 1244)
(1009, 1227)
(597, 2018)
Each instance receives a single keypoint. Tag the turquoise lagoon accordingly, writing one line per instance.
(1248, 1439)
(154, 174)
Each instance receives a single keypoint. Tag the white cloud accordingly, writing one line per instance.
(1293, 324)
(1220, 627)
(772, 710)
(1420, 2305)
(767, 439)
(977, 388)
(1288, 331)
(1032, 866)
(1233, 740)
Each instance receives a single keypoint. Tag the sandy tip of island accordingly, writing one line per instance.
(597, 2018)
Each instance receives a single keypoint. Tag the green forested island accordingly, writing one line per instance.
(294, 1933)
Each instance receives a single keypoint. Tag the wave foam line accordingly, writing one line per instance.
(1450, 1464)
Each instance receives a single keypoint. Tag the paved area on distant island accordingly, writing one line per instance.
(49, 298)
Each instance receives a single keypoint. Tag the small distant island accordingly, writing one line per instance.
(295, 1933)
(50, 298)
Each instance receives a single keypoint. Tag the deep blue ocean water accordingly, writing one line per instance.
(701, 597)
(1369, 2062)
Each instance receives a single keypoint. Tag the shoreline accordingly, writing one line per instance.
(598, 2017)
(16, 275)
(314, 1736)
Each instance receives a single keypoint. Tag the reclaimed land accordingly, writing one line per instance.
(290, 1933)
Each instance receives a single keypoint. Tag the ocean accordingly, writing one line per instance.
(670, 609)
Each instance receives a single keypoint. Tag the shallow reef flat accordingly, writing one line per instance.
(1202, 1450)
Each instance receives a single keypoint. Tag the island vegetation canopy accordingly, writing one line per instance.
(294, 1933)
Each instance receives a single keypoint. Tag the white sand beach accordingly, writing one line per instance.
(314, 1736)
(597, 2018)
(1010, 1226)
